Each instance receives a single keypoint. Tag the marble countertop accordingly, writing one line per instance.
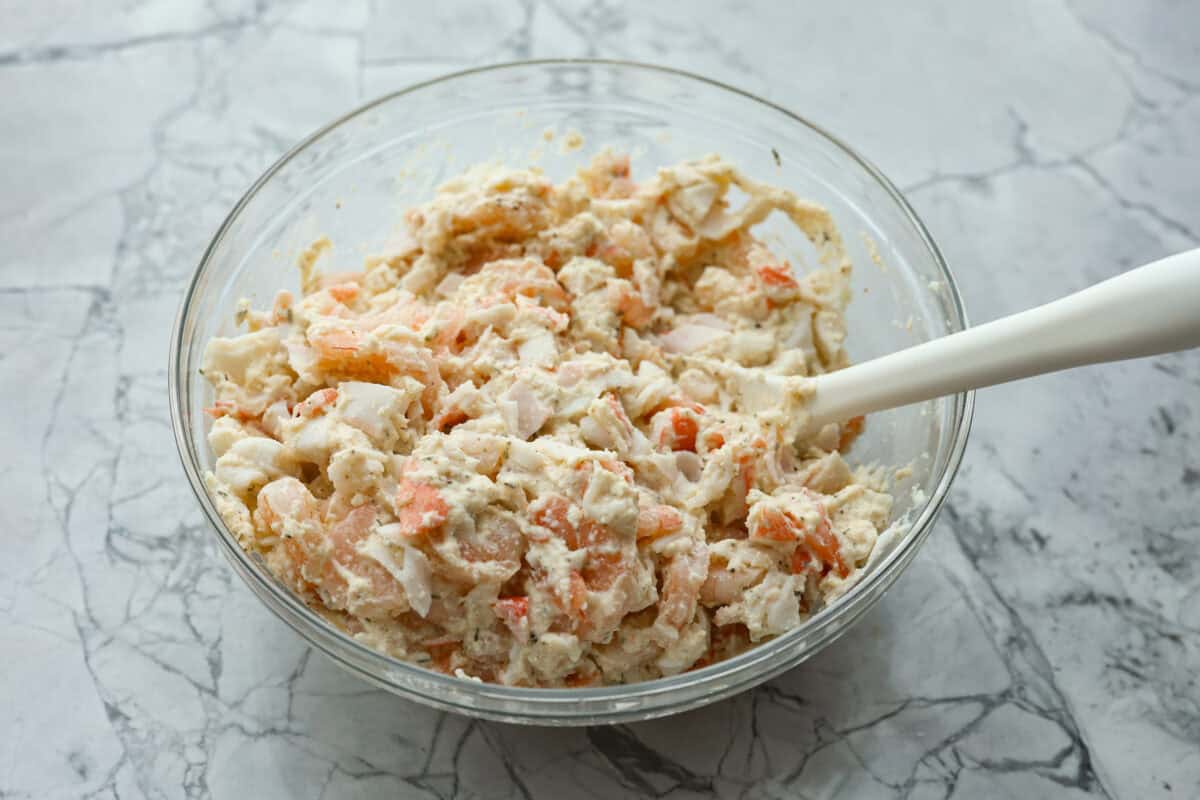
(1045, 643)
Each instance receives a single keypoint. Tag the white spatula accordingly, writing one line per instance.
(1145, 311)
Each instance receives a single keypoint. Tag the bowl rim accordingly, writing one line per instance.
(549, 705)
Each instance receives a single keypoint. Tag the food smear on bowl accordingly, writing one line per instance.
(557, 435)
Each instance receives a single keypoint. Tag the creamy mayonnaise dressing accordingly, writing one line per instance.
(556, 436)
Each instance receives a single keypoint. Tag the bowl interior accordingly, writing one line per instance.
(353, 181)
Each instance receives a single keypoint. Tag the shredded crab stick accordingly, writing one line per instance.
(557, 436)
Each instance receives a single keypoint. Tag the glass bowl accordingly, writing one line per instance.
(352, 179)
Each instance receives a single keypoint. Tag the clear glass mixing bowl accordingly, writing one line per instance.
(351, 181)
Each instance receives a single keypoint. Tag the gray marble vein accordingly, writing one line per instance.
(1046, 642)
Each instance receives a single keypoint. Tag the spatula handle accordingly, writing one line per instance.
(1149, 310)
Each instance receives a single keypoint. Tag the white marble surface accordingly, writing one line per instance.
(1044, 644)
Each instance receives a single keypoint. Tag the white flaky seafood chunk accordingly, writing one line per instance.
(376, 410)
(224, 433)
(692, 338)
(768, 608)
(239, 359)
(253, 462)
(524, 409)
